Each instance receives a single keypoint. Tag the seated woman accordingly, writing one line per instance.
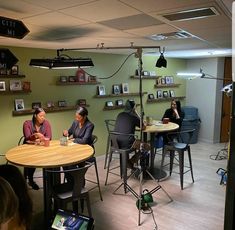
(22, 220)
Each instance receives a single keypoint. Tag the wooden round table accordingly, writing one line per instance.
(153, 129)
(55, 155)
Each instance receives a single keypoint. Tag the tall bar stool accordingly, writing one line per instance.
(179, 142)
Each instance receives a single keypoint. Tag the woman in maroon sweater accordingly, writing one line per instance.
(35, 130)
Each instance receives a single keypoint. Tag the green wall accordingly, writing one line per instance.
(44, 88)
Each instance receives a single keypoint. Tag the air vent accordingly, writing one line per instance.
(192, 14)
(173, 35)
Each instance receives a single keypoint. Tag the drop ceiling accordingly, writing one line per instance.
(59, 24)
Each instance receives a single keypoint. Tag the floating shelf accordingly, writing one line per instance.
(145, 77)
(164, 99)
(166, 86)
(12, 76)
(77, 83)
(118, 95)
(15, 92)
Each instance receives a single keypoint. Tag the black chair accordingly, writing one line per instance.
(72, 192)
(92, 160)
(123, 155)
(110, 124)
(179, 142)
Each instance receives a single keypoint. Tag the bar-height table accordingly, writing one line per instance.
(55, 155)
(153, 129)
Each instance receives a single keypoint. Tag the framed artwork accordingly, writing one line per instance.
(50, 104)
(172, 79)
(19, 104)
(26, 85)
(165, 94)
(125, 88)
(15, 70)
(72, 79)
(101, 90)
(145, 73)
(168, 79)
(116, 89)
(62, 103)
(3, 70)
(151, 96)
(163, 81)
(109, 103)
(92, 78)
(2, 86)
(36, 105)
(159, 93)
(82, 102)
(81, 76)
(119, 102)
(63, 79)
(15, 85)
(159, 81)
(152, 74)
(172, 93)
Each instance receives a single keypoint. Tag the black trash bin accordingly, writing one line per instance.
(191, 121)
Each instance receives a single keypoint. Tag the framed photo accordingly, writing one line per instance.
(62, 103)
(159, 81)
(145, 73)
(159, 94)
(92, 78)
(15, 70)
(82, 102)
(81, 75)
(172, 93)
(19, 104)
(109, 103)
(101, 90)
(125, 88)
(119, 102)
(152, 74)
(15, 85)
(3, 70)
(168, 79)
(165, 94)
(151, 96)
(63, 79)
(116, 89)
(36, 105)
(72, 78)
(2, 86)
(172, 79)
(50, 104)
(26, 85)
(163, 81)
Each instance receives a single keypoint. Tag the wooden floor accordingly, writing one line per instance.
(199, 206)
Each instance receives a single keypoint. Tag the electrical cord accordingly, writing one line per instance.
(149, 210)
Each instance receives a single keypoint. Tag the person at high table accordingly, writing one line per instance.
(175, 115)
(126, 122)
(81, 131)
(35, 130)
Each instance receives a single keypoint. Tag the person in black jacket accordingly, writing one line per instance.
(174, 113)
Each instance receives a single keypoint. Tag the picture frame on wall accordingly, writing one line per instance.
(15, 85)
(63, 79)
(2, 86)
(165, 94)
(50, 104)
(168, 79)
(26, 86)
(150, 96)
(82, 102)
(172, 93)
(62, 103)
(163, 81)
(36, 105)
(125, 88)
(159, 94)
(116, 89)
(72, 78)
(3, 70)
(101, 90)
(119, 102)
(19, 104)
(109, 103)
(15, 70)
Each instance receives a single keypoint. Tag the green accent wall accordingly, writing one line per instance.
(44, 89)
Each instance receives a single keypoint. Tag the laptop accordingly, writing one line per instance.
(68, 220)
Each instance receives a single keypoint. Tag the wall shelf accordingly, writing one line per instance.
(145, 77)
(77, 83)
(115, 107)
(8, 92)
(12, 76)
(164, 99)
(118, 95)
(47, 110)
(166, 86)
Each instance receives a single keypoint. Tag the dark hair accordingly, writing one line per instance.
(178, 104)
(8, 201)
(36, 112)
(82, 111)
(15, 178)
(130, 105)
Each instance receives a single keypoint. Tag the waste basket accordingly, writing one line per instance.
(191, 121)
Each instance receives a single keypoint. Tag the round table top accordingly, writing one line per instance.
(158, 127)
(54, 155)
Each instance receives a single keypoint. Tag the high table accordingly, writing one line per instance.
(153, 129)
(55, 155)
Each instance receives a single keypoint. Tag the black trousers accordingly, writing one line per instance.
(28, 173)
